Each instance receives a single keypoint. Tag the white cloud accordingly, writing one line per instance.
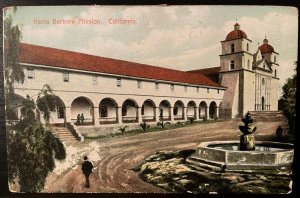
(173, 36)
(188, 60)
(35, 35)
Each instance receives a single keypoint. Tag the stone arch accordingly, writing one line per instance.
(202, 110)
(108, 111)
(191, 109)
(82, 106)
(148, 111)
(213, 110)
(129, 111)
(165, 110)
(59, 116)
(178, 110)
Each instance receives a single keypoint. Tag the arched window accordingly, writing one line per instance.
(263, 81)
(232, 47)
(103, 111)
(247, 46)
(143, 110)
(175, 110)
(232, 65)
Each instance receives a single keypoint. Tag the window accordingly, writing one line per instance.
(218, 91)
(207, 90)
(119, 82)
(139, 84)
(274, 59)
(30, 73)
(175, 110)
(124, 111)
(232, 47)
(248, 64)
(263, 81)
(142, 110)
(185, 88)
(197, 89)
(231, 65)
(172, 87)
(247, 46)
(262, 57)
(161, 113)
(65, 76)
(156, 85)
(264, 66)
(275, 73)
(60, 112)
(103, 111)
(95, 80)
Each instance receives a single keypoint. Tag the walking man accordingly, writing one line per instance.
(87, 168)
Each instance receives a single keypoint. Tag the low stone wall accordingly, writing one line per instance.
(93, 131)
(169, 170)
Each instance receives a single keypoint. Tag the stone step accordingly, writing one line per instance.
(269, 115)
(63, 134)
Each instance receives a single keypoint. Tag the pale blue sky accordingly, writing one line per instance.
(178, 37)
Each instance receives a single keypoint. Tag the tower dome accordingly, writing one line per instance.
(236, 33)
(265, 47)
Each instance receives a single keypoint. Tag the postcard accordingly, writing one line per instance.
(150, 99)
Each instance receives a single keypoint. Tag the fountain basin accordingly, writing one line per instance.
(226, 156)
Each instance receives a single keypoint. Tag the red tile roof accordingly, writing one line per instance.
(207, 71)
(212, 73)
(266, 48)
(235, 34)
(40, 55)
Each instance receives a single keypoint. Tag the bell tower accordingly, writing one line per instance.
(235, 59)
(236, 51)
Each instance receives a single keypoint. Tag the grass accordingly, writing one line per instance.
(151, 129)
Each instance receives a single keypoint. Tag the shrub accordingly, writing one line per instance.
(192, 120)
(122, 129)
(162, 124)
(144, 126)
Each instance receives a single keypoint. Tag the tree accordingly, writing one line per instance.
(288, 101)
(31, 147)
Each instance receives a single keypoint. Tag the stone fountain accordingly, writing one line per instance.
(245, 155)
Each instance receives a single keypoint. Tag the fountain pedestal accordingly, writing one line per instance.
(247, 140)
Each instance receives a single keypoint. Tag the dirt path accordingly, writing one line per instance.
(118, 155)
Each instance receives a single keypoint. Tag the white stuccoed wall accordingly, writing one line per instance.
(81, 85)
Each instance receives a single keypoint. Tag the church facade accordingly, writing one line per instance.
(111, 93)
(251, 80)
